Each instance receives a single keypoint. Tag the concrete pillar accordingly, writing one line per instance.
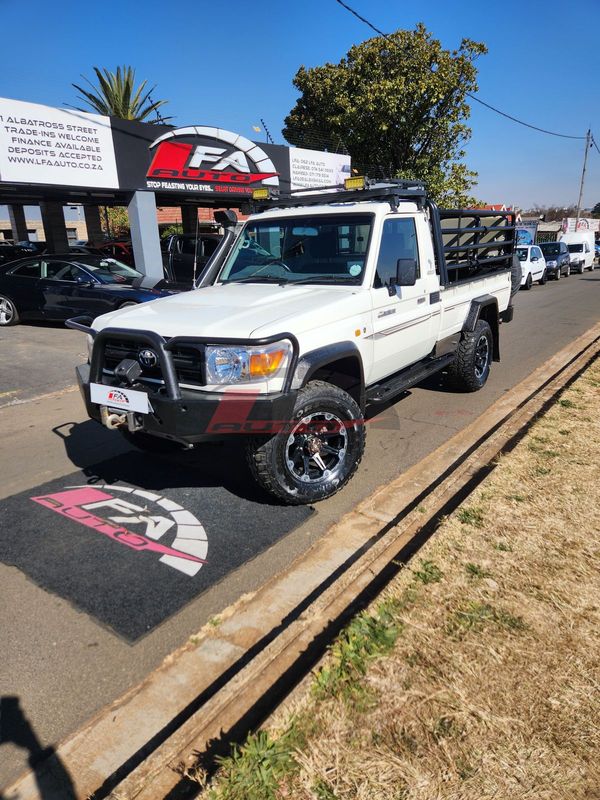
(144, 236)
(189, 217)
(17, 223)
(55, 230)
(92, 223)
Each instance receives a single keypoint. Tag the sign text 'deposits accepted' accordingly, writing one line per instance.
(40, 144)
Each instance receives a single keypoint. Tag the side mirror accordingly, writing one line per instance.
(81, 280)
(227, 218)
(406, 272)
(534, 258)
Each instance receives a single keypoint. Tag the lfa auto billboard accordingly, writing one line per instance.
(51, 146)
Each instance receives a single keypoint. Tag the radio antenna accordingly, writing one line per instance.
(195, 252)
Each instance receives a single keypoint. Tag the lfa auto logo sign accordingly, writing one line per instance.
(134, 518)
(207, 159)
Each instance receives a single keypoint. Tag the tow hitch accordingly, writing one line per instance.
(112, 419)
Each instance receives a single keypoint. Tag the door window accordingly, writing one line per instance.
(398, 240)
(63, 271)
(33, 269)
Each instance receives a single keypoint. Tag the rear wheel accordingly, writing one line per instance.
(544, 279)
(528, 282)
(317, 453)
(471, 369)
(8, 311)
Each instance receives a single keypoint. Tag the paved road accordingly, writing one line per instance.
(63, 664)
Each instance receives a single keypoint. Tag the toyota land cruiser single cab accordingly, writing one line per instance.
(320, 306)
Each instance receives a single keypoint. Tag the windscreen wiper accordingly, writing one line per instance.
(316, 279)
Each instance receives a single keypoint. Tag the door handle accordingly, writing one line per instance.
(420, 300)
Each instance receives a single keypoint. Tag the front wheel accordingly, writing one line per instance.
(317, 452)
(558, 275)
(471, 369)
(8, 311)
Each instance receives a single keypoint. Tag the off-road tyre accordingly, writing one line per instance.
(8, 312)
(544, 279)
(516, 273)
(272, 460)
(468, 373)
(151, 444)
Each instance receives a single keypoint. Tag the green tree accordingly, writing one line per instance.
(117, 96)
(398, 106)
(115, 221)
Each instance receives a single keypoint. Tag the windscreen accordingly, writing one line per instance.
(575, 248)
(308, 249)
(550, 249)
(109, 270)
(522, 253)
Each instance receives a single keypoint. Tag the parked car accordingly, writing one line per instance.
(81, 249)
(581, 247)
(181, 250)
(121, 250)
(558, 260)
(10, 252)
(54, 287)
(533, 265)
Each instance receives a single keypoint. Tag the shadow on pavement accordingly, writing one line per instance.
(212, 464)
(53, 780)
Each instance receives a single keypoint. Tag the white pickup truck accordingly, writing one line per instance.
(320, 306)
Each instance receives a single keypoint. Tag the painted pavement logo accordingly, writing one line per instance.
(153, 517)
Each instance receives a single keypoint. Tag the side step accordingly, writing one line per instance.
(401, 381)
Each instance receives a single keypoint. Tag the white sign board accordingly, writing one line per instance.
(40, 144)
(310, 169)
(585, 224)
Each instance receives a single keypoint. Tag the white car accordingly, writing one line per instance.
(533, 265)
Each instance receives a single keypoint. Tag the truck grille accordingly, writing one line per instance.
(186, 360)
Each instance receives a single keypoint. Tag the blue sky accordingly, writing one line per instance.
(231, 64)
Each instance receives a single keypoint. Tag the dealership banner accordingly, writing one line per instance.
(527, 230)
(570, 225)
(45, 146)
(310, 169)
(40, 144)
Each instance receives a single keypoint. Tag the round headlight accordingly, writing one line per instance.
(225, 365)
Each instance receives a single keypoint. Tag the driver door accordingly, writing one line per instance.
(403, 331)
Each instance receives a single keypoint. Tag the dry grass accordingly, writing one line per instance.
(477, 675)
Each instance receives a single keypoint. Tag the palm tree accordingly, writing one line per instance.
(117, 96)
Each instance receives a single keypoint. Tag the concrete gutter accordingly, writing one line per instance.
(138, 745)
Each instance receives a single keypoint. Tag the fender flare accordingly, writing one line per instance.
(309, 363)
(477, 306)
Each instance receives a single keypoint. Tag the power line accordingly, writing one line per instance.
(468, 94)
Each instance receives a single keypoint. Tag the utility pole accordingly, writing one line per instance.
(587, 147)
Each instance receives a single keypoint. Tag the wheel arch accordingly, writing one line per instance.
(339, 364)
(485, 308)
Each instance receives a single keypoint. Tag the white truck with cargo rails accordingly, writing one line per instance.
(320, 306)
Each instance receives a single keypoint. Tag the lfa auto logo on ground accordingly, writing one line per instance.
(137, 519)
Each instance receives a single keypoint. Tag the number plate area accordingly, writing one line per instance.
(120, 399)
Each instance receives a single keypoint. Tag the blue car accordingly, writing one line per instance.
(56, 287)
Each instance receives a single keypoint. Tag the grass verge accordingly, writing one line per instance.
(476, 675)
